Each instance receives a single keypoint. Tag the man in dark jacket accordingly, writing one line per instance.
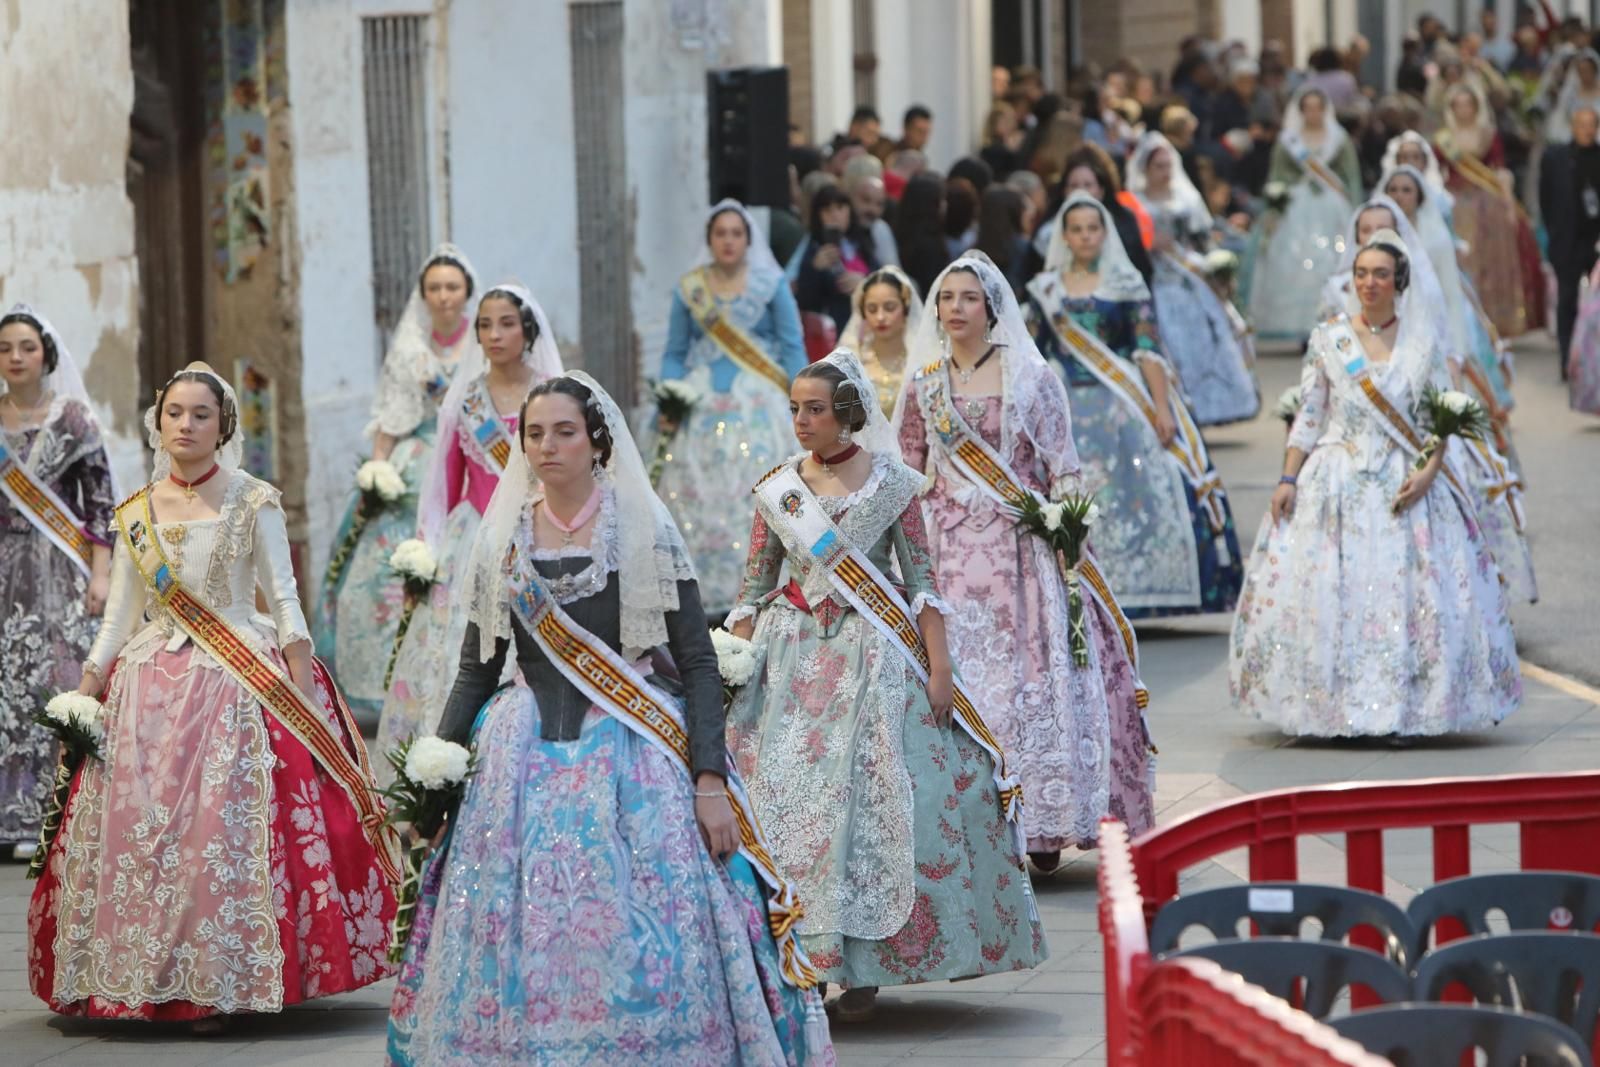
(1569, 200)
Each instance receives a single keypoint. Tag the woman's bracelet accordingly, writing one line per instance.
(1288, 479)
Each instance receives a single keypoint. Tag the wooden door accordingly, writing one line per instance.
(164, 184)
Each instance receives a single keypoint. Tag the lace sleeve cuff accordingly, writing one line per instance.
(1066, 485)
(741, 613)
(931, 600)
(1150, 355)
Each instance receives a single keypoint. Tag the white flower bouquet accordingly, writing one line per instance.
(380, 483)
(1446, 413)
(1276, 195)
(1221, 264)
(414, 562)
(78, 721)
(736, 662)
(675, 400)
(380, 486)
(1288, 404)
(1064, 526)
(430, 777)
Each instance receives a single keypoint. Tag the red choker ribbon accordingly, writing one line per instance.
(840, 457)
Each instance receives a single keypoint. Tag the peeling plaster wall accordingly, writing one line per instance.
(66, 224)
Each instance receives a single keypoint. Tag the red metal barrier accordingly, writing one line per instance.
(1559, 819)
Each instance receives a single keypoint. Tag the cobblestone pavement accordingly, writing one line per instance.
(1053, 1015)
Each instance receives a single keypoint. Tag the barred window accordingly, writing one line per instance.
(394, 54)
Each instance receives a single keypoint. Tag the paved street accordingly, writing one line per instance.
(1208, 753)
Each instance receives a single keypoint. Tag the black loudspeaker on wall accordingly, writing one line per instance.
(747, 109)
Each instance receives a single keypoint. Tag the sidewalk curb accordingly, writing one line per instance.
(1556, 680)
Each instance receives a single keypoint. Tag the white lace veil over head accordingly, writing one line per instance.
(1435, 177)
(229, 454)
(643, 543)
(1293, 136)
(1182, 195)
(1120, 280)
(1440, 245)
(1422, 340)
(758, 257)
(433, 504)
(875, 436)
(857, 335)
(1032, 393)
(416, 321)
(63, 384)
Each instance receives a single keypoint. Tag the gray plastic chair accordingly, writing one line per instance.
(1437, 1035)
(1531, 900)
(1276, 964)
(1278, 909)
(1554, 974)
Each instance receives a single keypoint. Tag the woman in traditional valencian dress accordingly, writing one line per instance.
(884, 794)
(734, 338)
(1500, 258)
(1370, 216)
(884, 311)
(595, 900)
(1076, 735)
(1474, 353)
(1489, 475)
(1207, 341)
(477, 435)
(361, 600)
(1373, 604)
(226, 852)
(1316, 165)
(56, 497)
(1165, 540)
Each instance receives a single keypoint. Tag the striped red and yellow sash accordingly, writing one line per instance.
(789, 506)
(617, 688)
(45, 511)
(264, 679)
(1186, 446)
(978, 462)
(484, 429)
(734, 342)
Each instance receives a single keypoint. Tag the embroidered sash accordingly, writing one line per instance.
(984, 467)
(793, 510)
(1501, 482)
(43, 509)
(1351, 359)
(265, 680)
(483, 432)
(623, 693)
(1319, 170)
(436, 385)
(726, 334)
(1127, 385)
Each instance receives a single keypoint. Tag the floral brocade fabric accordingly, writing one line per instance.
(1356, 620)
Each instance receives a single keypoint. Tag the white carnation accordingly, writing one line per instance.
(1220, 259)
(414, 558)
(678, 390)
(1455, 401)
(75, 709)
(434, 763)
(1091, 515)
(736, 658)
(379, 476)
(1052, 516)
(1275, 190)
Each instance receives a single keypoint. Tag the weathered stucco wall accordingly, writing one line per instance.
(66, 225)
